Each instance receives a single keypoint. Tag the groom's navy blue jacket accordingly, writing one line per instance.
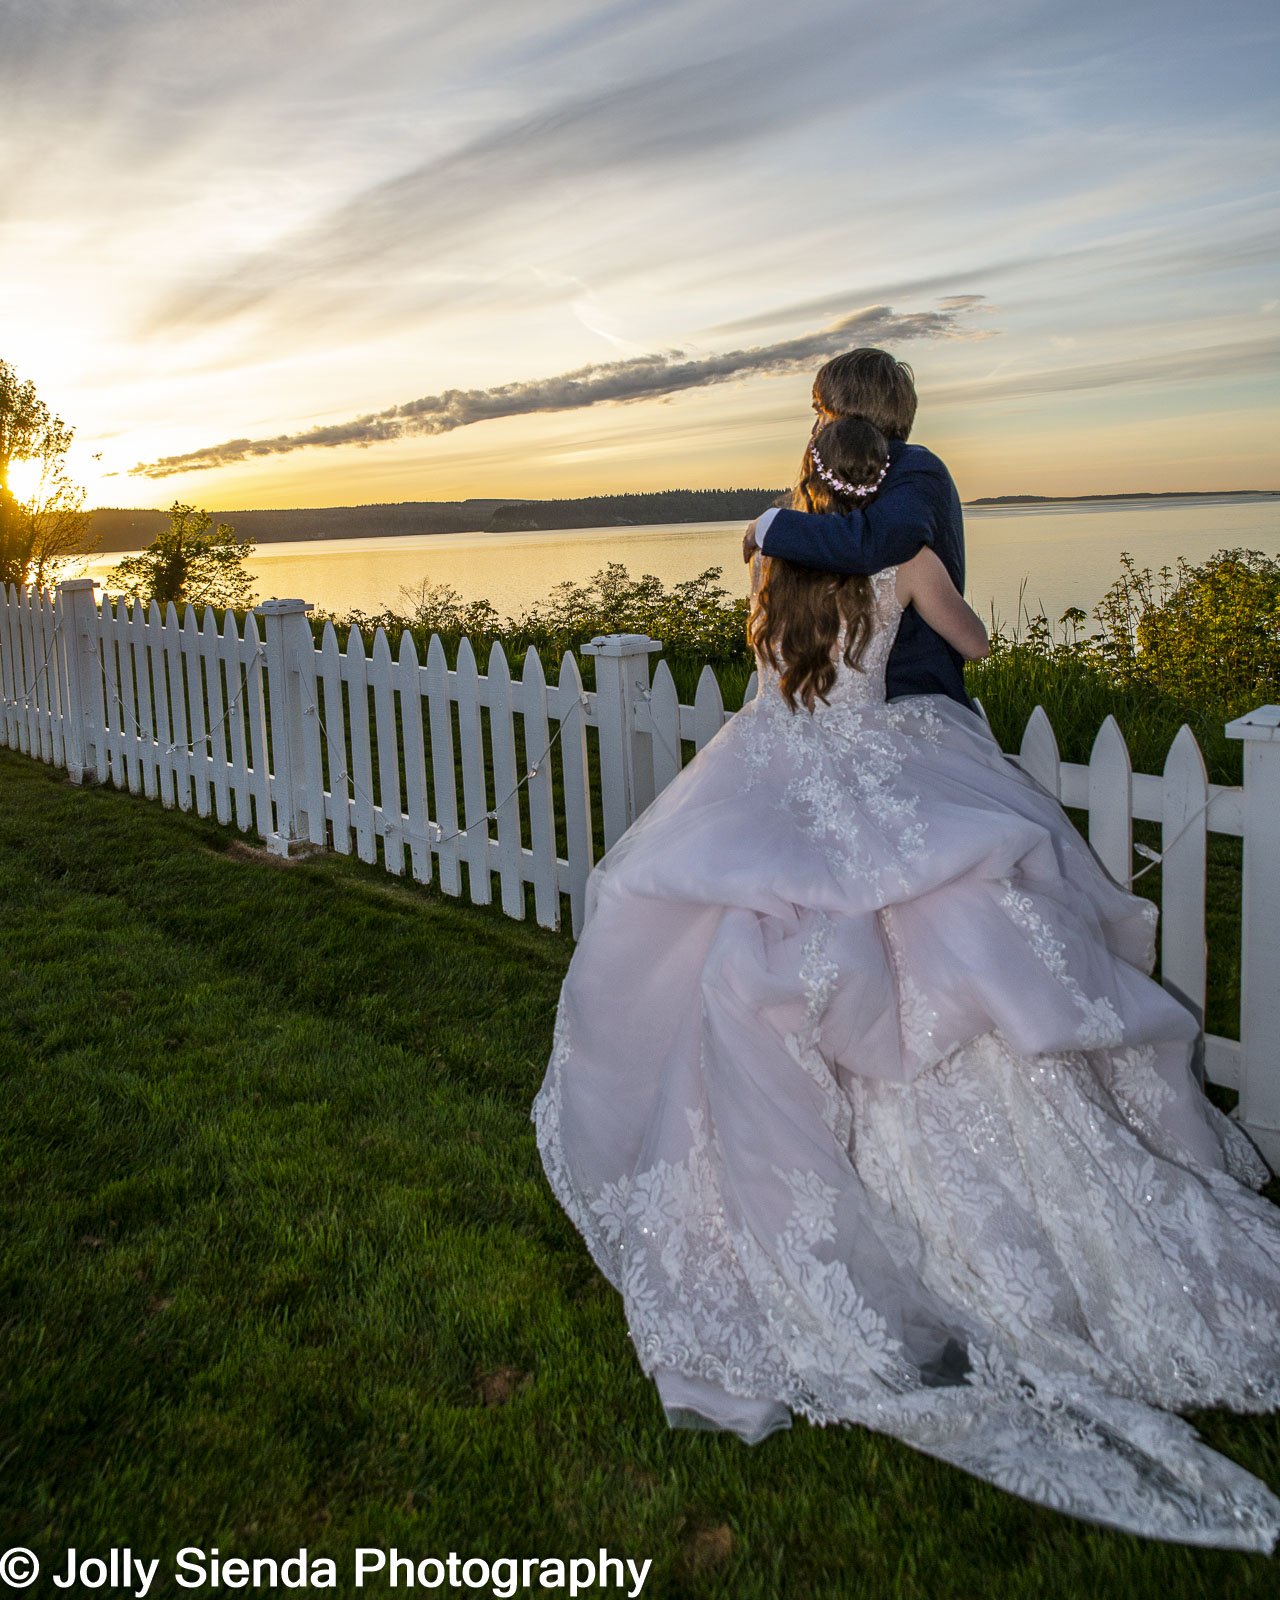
(917, 505)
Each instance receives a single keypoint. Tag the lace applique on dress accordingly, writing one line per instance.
(1101, 1023)
(844, 759)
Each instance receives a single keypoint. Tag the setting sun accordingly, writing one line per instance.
(25, 480)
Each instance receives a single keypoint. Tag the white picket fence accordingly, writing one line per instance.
(455, 769)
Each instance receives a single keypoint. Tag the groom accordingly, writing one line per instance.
(917, 505)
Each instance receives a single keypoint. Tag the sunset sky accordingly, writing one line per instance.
(311, 252)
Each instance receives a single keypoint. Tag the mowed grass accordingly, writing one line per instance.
(281, 1268)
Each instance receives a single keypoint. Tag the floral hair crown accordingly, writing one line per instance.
(839, 484)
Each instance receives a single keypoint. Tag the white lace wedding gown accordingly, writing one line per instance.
(862, 1098)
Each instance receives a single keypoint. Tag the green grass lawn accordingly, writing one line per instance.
(281, 1268)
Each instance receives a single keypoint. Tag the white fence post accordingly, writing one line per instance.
(626, 757)
(295, 728)
(1259, 1108)
(85, 747)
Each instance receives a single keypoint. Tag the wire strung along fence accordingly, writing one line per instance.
(466, 778)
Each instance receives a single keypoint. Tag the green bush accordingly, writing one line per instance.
(1212, 634)
(1194, 644)
(698, 621)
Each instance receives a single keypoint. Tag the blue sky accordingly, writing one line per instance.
(311, 252)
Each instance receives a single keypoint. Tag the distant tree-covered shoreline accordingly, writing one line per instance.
(132, 529)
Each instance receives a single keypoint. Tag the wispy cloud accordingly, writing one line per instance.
(605, 383)
(1245, 239)
(618, 143)
(1238, 359)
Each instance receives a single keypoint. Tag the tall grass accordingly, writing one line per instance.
(1078, 696)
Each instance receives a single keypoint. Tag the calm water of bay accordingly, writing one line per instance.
(1055, 555)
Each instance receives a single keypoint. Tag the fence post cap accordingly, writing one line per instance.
(1263, 722)
(75, 584)
(621, 644)
(282, 608)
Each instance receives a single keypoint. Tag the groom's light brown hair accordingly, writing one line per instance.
(868, 383)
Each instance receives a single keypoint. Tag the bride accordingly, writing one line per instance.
(863, 1099)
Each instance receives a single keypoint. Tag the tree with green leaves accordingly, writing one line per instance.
(191, 562)
(43, 522)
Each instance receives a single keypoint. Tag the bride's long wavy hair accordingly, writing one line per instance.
(798, 612)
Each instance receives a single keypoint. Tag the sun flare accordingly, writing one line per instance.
(25, 479)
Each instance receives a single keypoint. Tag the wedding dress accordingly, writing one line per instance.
(862, 1097)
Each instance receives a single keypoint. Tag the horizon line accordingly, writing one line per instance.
(636, 494)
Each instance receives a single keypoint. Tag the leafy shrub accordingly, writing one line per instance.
(695, 618)
(1207, 634)
(1198, 644)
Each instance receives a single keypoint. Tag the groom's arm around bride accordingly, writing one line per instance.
(917, 504)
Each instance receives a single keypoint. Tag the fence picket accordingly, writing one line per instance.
(10, 689)
(27, 662)
(1111, 802)
(40, 697)
(238, 756)
(355, 670)
(84, 659)
(61, 651)
(382, 677)
(308, 666)
(1185, 842)
(22, 670)
(139, 650)
(475, 799)
(664, 723)
(443, 772)
(542, 817)
(175, 677)
(112, 716)
(46, 679)
(50, 695)
(219, 761)
(1038, 755)
(576, 782)
(35, 652)
(30, 673)
(708, 709)
(409, 678)
(131, 728)
(333, 733)
(255, 714)
(165, 774)
(200, 764)
(506, 791)
(119, 744)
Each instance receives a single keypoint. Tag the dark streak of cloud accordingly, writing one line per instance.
(606, 383)
(825, 305)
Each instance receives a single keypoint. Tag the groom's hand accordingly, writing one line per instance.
(749, 542)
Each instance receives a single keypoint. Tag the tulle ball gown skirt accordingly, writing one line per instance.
(863, 1099)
